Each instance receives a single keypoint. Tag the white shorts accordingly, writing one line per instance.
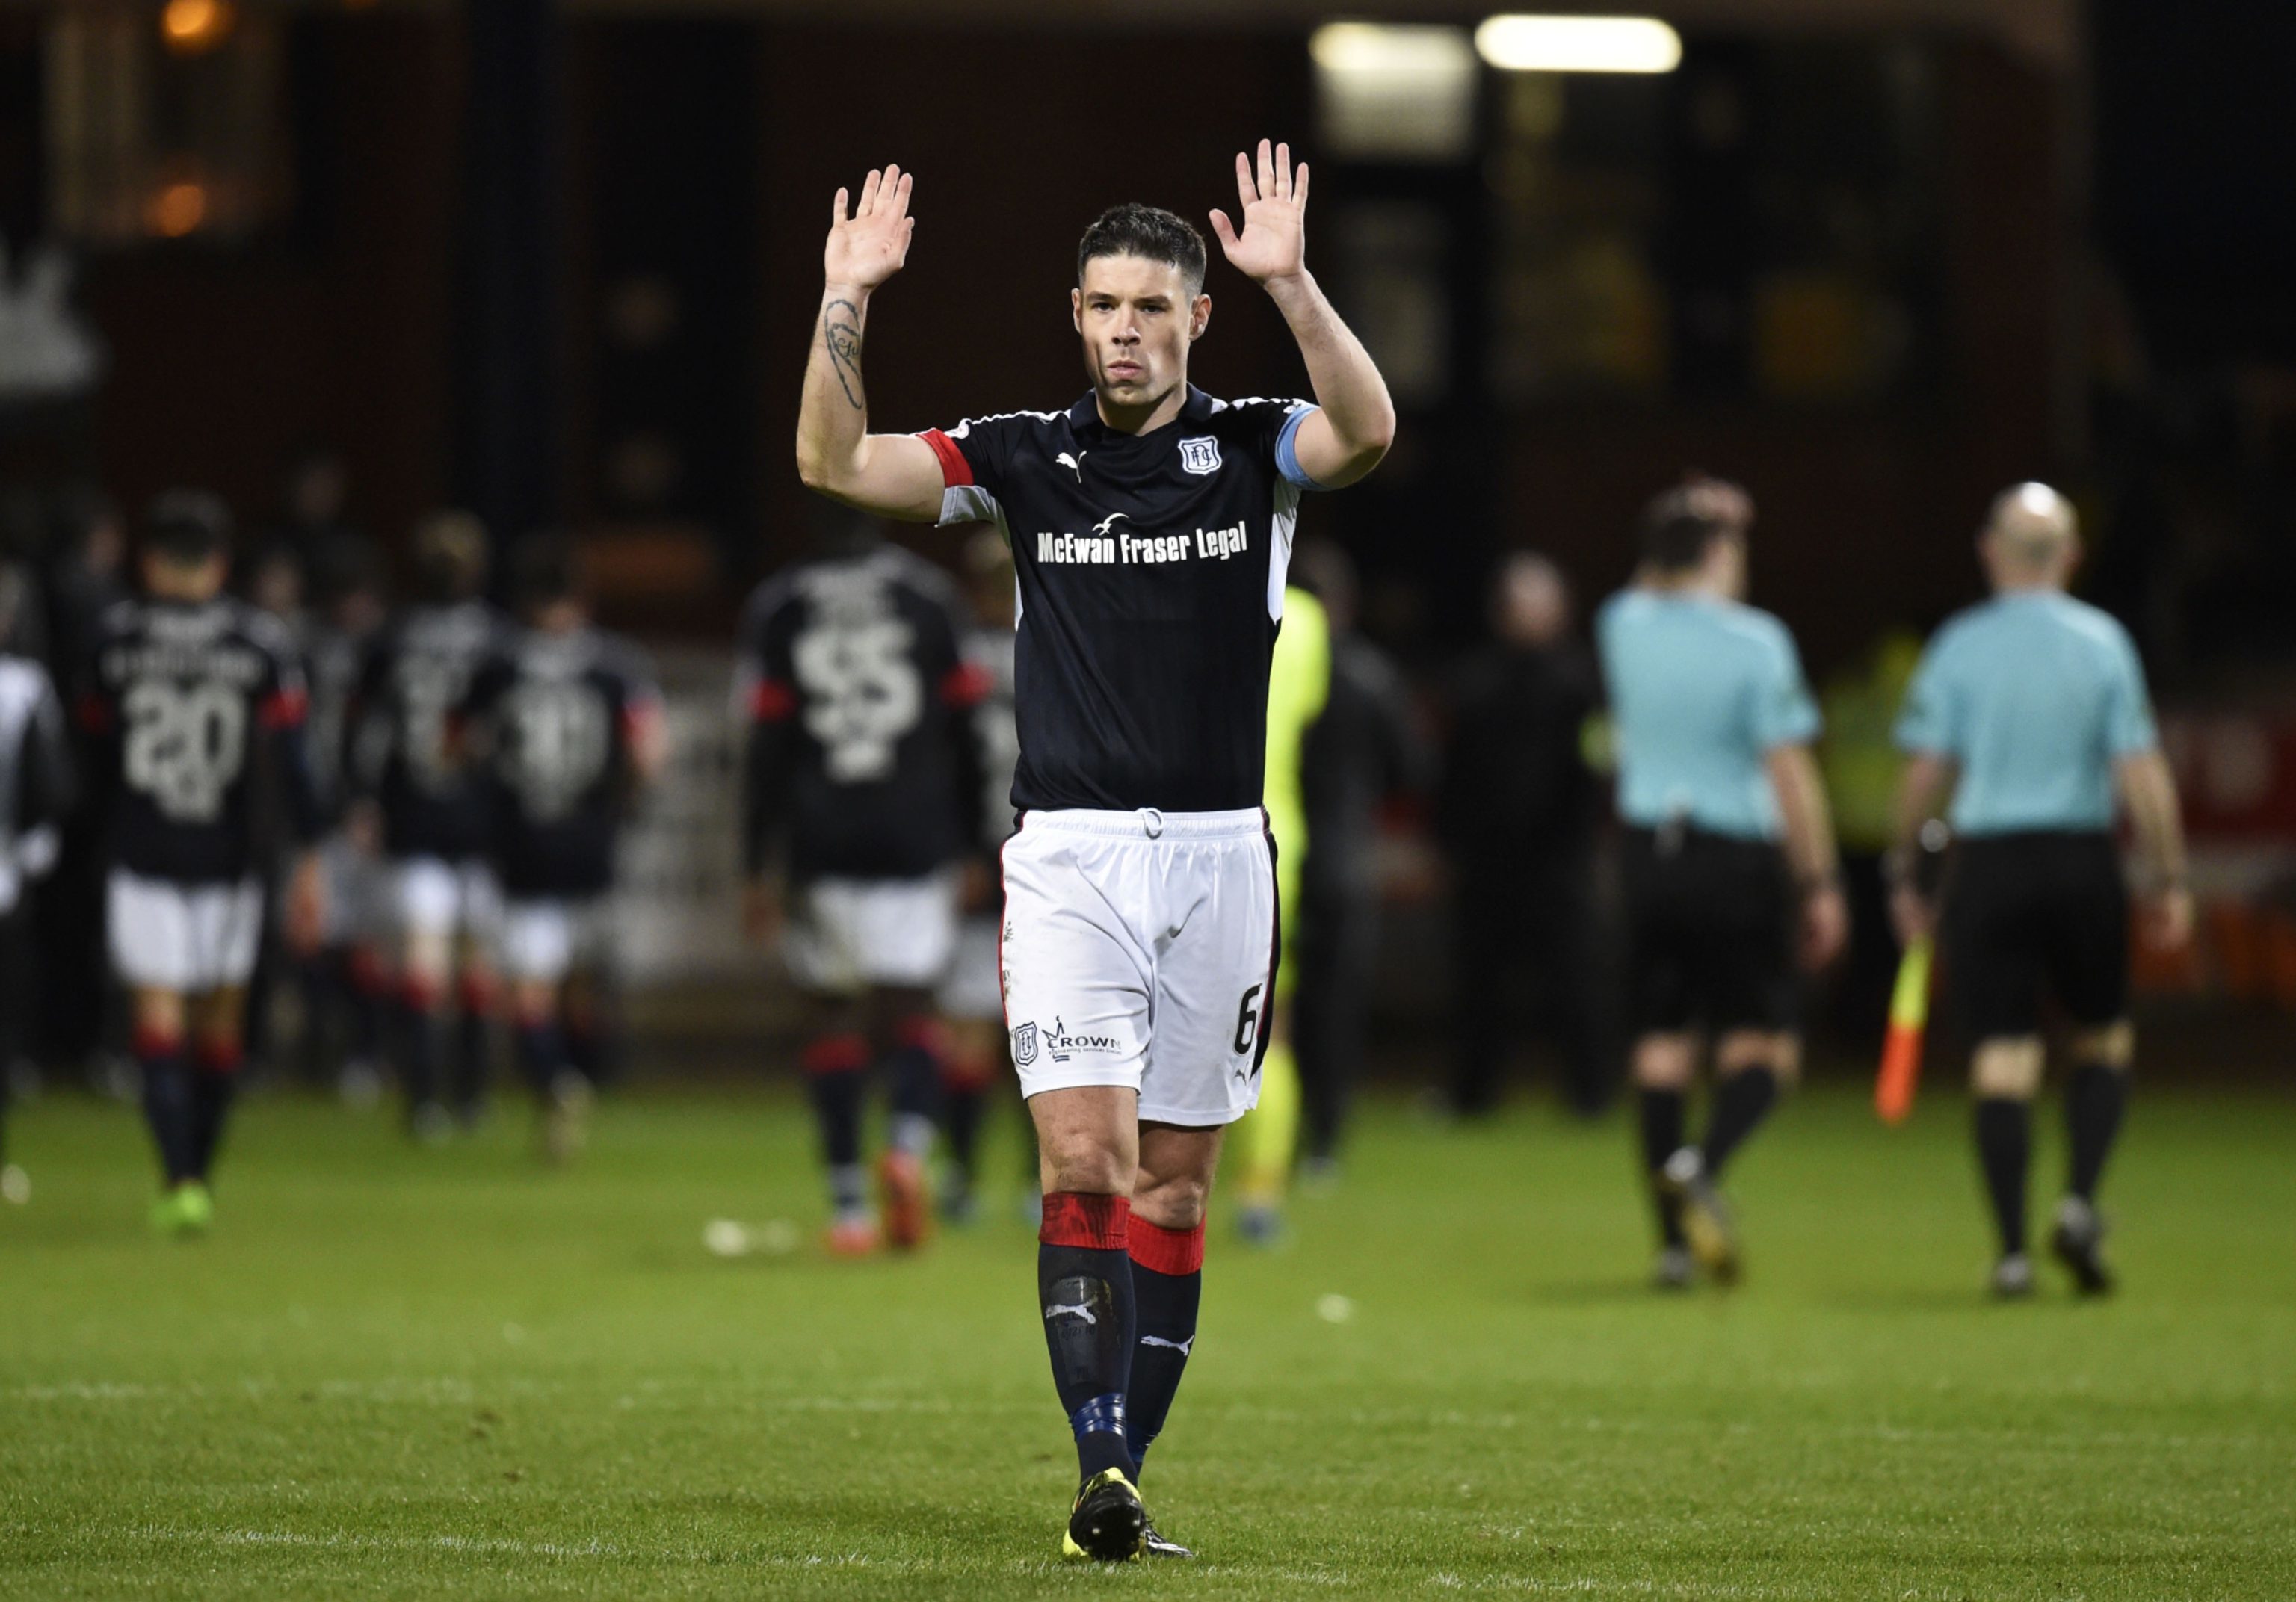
(848, 933)
(190, 938)
(434, 896)
(974, 989)
(1138, 951)
(542, 941)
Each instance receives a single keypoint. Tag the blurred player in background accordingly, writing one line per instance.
(1151, 528)
(1730, 863)
(430, 816)
(1518, 812)
(36, 792)
(565, 730)
(196, 707)
(2031, 708)
(1266, 1139)
(972, 997)
(1365, 750)
(864, 779)
(345, 980)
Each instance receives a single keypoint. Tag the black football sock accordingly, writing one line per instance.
(361, 1008)
(2005, 1139)
(1661, 1120)
(1168, 1283)
(837, 1083)
(2094, 1105)
(1741, 1100)
(594, 1046)
(215, 1083)
(1084, 1285)
(168, 1104)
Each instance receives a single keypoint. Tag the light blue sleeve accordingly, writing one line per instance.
(1785, 713)
(1927, 723)
(2128, 726)
(1287, 448)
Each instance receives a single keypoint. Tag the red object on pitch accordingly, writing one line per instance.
(1901, 1047)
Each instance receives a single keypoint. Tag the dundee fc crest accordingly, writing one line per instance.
(1200, 455)
(1024, 1045)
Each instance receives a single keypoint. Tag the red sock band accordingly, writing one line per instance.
(1168, 1251)
(1078, 1218)
(369, 973)
(219, 1057)
(422, 993)
(478, 992)
(149, 1044)
(835, 1054)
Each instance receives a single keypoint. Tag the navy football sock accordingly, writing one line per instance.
(541, 1054)
(1168, 1283)
(213, 1088)
(1084, 1286)
(167, 1103)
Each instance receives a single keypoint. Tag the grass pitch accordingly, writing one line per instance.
(397, 1373)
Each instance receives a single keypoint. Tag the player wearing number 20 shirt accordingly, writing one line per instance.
(190, 701)
(1151, 526)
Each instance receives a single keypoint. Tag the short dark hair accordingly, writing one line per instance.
(1148, 233)
(450, 555)
(1678, 526)
(187, 527)
(545, 571)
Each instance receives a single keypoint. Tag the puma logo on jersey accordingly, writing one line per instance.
(1075, 463)
(1080, 1309)
(1179, 1346)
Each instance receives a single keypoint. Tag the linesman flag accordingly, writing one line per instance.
(1901, 1046)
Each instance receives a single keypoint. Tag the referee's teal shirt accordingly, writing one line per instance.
(1701, 689)
(2035, 695)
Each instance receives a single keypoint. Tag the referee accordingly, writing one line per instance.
(1730, 867)
(2034, 703)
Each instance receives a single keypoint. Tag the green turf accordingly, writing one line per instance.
(449, 1374)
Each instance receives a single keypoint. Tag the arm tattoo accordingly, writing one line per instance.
(840, 332)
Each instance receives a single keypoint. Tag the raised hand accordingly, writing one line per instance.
(869, 247)
(1273, 240)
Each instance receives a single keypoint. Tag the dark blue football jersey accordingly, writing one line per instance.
(1151, 571)
(550, 721)
(182, 699)
(862, 755)
(417, 673)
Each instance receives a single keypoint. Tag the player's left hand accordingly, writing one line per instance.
(1912, 914)
(1825, 925)
(1273, 242)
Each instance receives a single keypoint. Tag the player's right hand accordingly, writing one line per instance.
(1825, 926)
(2168, 919)
(869, 247)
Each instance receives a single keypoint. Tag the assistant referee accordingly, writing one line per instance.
(2035, 704)
(1730, 866)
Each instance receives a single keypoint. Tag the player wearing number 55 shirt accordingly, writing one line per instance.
(1151, 526)
(862, 779)
(565, 727)
(194, 700)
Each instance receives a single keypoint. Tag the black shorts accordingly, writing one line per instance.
(2029, 914)
(1710, 933)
